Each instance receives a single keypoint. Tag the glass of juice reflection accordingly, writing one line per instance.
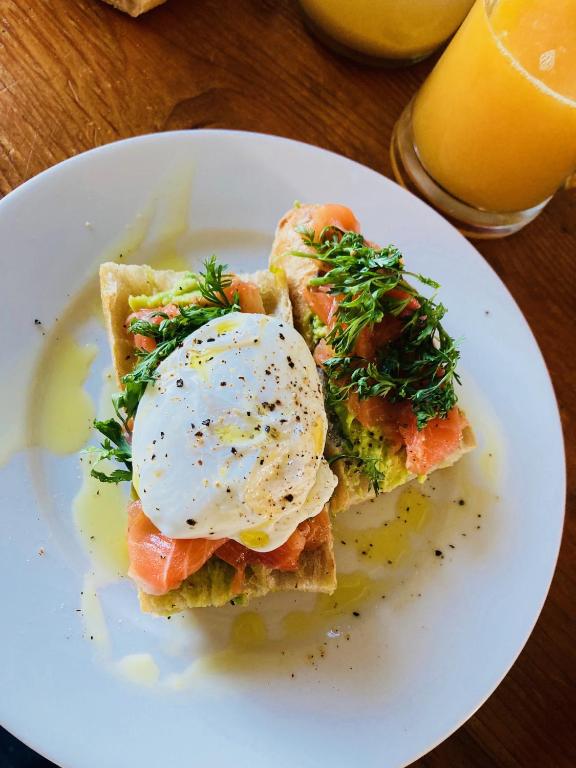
(491, 135)
(387, 32)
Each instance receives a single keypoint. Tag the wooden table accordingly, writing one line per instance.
(75, 74)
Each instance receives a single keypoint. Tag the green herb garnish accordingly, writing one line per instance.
(115, 446)
(420, 365)
(368, 465)
(169, 335)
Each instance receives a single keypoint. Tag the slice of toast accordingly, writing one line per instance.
(135, 7)
(353, 487)
(211, 585)
(120, 281)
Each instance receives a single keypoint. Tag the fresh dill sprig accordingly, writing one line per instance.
(212, 283)
(364, 277)
(115, 446)
(168, 335)
(420, 364)
(368, 465)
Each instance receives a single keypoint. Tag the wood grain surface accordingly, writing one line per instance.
(75, 74)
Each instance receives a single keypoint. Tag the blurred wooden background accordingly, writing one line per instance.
(75, 74)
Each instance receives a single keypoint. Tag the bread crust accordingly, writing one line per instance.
(352, 488)
(317, 570)
(298, 271)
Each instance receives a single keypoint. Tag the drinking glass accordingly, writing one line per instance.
(491, 135)
(385, 32)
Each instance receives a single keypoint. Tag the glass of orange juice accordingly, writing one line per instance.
(389, 32)
(491, 135)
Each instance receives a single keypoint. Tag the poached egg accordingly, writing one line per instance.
(228, 441)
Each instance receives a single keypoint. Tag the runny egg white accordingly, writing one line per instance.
(228, 441)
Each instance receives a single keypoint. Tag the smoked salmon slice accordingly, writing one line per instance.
(284, 558)
(323, 352)
(333, 215)
(428, 447)
(378, 413)
(145, 342)
(371, 339)
(316, 529)
(310, 534)
(248, 295)
(323, 304)
(157, 562)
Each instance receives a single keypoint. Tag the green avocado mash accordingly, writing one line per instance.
(370, 445)
(184, 293)
(211, 585)
(318, 329)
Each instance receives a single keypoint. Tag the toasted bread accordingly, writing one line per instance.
(120, 281)
(353, 487)
(135, 7)
(211, 585)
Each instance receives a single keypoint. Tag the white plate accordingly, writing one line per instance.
(418, 663)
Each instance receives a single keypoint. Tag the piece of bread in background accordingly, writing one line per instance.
(135, 7)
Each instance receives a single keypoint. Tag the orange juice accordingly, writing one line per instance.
(392, 29)
(495, 123)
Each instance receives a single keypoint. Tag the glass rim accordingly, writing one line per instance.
(488, 6)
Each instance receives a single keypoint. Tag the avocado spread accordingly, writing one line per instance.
(371, 445)
(317, 328)
(211, 585)
(186, 292)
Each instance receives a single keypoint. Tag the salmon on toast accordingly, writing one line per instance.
(388, 365)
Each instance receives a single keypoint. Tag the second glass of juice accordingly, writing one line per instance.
(491, 135)
(386, 32)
